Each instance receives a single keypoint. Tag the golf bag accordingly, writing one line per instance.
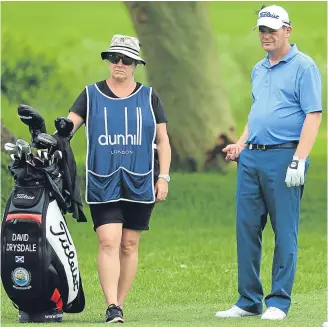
(39, 263)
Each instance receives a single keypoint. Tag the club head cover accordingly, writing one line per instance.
(30, 117)
(64, 126)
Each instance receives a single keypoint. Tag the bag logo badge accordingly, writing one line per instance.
(21, 277)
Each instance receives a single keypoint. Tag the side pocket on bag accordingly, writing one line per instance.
(26, 197)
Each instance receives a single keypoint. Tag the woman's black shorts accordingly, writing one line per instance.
(132, 215)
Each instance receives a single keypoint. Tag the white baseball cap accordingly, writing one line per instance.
(274, 17)
(124, 44)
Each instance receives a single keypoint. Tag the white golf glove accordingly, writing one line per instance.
(295, 172)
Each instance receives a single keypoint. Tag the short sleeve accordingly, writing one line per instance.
(310, 90)
(158, 108)
(80, 105)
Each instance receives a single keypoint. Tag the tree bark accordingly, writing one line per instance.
(6, 136)
(180, 48)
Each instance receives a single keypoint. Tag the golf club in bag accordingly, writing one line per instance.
(39, 263)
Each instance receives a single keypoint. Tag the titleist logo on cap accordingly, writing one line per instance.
(268, 14)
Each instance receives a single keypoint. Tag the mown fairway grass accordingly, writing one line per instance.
(187, 269)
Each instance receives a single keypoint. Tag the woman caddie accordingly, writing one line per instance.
(128, 162)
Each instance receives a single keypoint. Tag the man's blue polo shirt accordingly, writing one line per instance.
(282, 96)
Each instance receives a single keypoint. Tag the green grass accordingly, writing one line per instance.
(187, 269)
(200, 315)
(196, 226)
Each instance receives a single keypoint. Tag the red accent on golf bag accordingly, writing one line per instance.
(25, 216)
(57, 299)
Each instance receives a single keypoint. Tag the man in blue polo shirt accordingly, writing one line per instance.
(273, 157)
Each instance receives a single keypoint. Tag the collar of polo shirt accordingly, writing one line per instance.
(288, 56)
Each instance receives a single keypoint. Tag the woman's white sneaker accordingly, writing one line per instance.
(234, 312)
(273, 313)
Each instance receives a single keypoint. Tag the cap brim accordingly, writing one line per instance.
(126, 53)
(275, 24)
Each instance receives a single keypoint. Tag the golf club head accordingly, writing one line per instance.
(11, 148)
(39, 153)
(19, 152)
(45, 154)
(13, 157)
(58, 155)
(23, 142)
(30, 162)
(26, 153)
(64, 126)
(26, 148)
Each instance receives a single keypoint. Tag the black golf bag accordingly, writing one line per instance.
(39, 263)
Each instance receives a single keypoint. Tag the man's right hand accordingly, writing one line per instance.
(233, 151)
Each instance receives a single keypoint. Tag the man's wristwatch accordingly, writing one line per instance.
(165, 177)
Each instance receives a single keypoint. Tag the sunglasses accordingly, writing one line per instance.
(114, 58)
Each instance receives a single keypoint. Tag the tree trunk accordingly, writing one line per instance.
(6, 136)
(183, 67)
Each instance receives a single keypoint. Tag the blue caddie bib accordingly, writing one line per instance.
(120, 147)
